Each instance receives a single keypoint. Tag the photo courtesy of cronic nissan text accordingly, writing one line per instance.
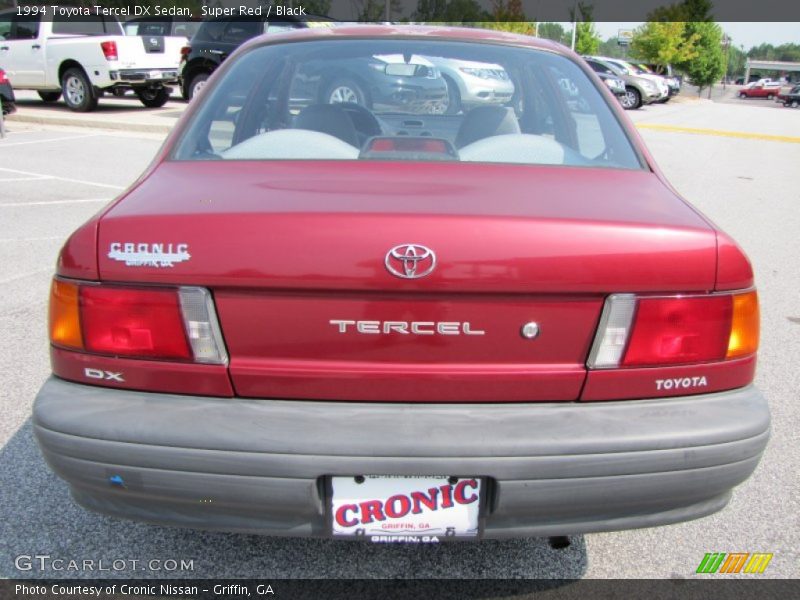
(395, 299)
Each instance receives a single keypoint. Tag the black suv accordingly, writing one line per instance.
(217, 38)
(792, 98)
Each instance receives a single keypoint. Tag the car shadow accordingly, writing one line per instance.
(39, 517)
(116, 106)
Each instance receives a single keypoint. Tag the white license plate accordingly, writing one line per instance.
(155, 75)
(389, 508)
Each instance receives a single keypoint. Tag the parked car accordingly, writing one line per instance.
(217, 38)
(80, 58)
(661, 84)
(639, 90)
(760, 90)
(378, 82)
(665, 72)
(614, 83)
(791, 98)
(368, 323)
(7, 94)
(472, 84)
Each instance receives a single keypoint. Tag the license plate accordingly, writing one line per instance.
(155, 75)
(386, 508)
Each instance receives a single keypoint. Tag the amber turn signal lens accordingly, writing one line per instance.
(744, 325)
(65, 324)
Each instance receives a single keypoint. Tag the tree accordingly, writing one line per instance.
(612, 49)
(587, 42)
(663, 43)
(682, 12)
(586, 39)
(708, 65)
(317, 7)
(553, 31)
(508, 15)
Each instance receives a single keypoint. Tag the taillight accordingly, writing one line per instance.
(136, 322)
(185, 53)
(3, 78)
(65, 322)
(109, 50)
(642, 331)
(133, 322)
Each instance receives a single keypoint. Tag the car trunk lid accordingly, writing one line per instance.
(309, 309)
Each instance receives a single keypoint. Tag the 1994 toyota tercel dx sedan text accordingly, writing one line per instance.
(358, 321)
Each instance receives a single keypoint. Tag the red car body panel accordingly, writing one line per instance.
(152, 375)
(302, 355)
(573, 230)
(286, 254)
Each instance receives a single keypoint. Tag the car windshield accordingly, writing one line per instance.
(395, 99)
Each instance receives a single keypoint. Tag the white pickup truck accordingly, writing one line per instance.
(55, 53)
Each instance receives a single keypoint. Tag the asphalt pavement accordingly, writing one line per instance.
(735, 162)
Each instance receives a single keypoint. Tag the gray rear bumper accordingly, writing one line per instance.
(258, 465)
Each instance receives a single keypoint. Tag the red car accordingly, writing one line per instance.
(760, 90)
(349, 320)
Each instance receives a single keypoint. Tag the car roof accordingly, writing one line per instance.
(360, 31)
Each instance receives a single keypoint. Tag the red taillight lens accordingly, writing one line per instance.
(133, 322)
(109, 50)
(648, 331)
(3, 78)
(185, 51)
(679, 330)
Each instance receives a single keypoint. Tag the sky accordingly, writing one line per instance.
(743, 34)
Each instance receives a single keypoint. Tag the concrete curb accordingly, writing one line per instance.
(21, 117)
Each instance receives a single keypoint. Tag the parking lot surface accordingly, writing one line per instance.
(735, 162)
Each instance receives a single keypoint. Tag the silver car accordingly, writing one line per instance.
(471, 84)
(639, 90)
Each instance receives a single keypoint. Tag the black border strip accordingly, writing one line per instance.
(470, 11)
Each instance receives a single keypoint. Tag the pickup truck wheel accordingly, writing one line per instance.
(742, 95)
(195, 84)
(794, 104)
(153, 97)
(78, 91)
(770, 96)
(49, 96)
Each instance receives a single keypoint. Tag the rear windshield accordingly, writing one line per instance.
(391, 99)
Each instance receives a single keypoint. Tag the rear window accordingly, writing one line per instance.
(416, 100)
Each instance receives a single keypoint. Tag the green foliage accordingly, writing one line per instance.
(664, 43)
(586, 39)
(612, 49)
(317, 7)
(508, 15)
(553, 31)
(688, 10)
(708, 65)
(784, 52)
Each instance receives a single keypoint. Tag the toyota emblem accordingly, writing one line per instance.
(410, 261)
